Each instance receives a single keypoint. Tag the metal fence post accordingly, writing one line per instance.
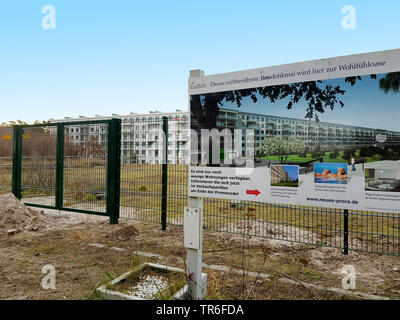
(60, 167)
(164, 198)
(346, 232)
(17, 161)
(113, 169)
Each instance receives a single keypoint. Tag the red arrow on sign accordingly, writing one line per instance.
(255, 192)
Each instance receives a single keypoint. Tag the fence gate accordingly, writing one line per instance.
(71, 166)
(6, 143)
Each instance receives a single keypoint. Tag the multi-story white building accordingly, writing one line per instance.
(315, 135)
(141, 135)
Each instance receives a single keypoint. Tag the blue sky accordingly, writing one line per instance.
(134, 56)
(292, 171)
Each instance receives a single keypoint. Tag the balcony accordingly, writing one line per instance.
(152, 138)
(253, 126)
(222, 125)
(251, 121)
(179, 138)
(227, 116)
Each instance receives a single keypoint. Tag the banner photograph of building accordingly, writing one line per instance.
(285, 176)
(336, 120)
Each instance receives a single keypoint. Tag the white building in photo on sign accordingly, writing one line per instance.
(320, 135)
(141, 140)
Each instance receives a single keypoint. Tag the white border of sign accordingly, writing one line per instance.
(261, 77)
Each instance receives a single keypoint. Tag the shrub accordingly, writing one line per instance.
(389, 155)
(347, 154)
(334, 155)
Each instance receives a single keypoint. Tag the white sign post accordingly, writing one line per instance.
(193, 238)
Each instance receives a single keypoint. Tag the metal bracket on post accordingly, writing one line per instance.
(346, 232)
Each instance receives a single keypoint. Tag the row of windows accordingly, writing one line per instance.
(296, 122)
(157, 118)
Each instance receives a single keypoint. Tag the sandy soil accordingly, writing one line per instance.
(64, 239)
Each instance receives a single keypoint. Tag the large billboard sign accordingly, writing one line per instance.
(322, 133)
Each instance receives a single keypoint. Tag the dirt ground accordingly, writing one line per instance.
(64, 241)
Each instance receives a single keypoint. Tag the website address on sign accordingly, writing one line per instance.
(333, 200)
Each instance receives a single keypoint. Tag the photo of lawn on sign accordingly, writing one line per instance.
(285, 176)
(335, 173)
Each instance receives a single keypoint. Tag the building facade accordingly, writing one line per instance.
(279, 174)
(315, 135)
(141, 135)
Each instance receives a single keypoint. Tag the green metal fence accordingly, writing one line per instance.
(71, 166)
(358, 231)
(6, 153)
(148, 158)
(136, 183)
(143, 183)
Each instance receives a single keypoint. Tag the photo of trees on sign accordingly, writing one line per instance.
(353, 120)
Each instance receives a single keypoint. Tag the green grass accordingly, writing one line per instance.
(141, 187)
(285, 184)
(326, 158)
(296, 158)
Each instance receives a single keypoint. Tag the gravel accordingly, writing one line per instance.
(149, 286)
